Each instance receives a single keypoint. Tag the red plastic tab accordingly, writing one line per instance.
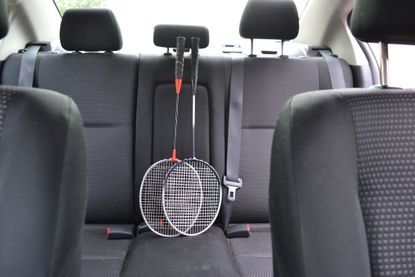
(178, 85)
(173, 156)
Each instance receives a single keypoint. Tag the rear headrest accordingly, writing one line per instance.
(269, 19)
(4, 22)
(165, 35)
(389, 21)
(90, 30)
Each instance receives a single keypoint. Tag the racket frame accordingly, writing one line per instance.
(150, 226)
(219, 189)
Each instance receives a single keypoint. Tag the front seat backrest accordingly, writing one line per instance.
(42, 181)
(342, 191)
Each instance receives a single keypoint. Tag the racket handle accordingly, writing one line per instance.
(179, 66)
(195, 62)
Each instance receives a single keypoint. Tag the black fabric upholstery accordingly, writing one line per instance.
(100, 256)
(253, 255)
(90, 30)
(269, 19)
(164, 109)
(11, 68)
(104, 88)
(165, 35)
(42, 183)
(4, 19)
(384, 21)
(205, 255)
(385, 143)
(351, 216)
(316, 220)
(269, 83)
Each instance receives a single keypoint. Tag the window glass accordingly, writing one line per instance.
(138, 18)
(401, 60)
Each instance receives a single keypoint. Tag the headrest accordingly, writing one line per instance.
(4, 19)
(165, 35)
(389, 21)
(90, 30)
(269, 19)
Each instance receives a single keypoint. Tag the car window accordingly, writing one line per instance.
(401, 59)
(138, 18)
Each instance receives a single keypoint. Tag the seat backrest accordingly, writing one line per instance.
(104, 86)
(268, 83)
(156, 104)
(42, 181)
(342, 186)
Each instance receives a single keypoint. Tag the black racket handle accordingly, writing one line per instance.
(195, 63)
(179, 66)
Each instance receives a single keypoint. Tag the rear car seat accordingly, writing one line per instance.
(42, 180)
(125, 138)
(104, 86)
(268, 83)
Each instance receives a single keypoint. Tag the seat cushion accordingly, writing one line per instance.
(100, 256)
(206, 255)
(253, 255)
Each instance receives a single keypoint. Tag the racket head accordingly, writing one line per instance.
(182, 197)
(150, 199)
(212, 195)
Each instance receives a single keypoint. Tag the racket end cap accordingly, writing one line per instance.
(178, 83)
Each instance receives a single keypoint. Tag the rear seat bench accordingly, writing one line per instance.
(128, 116)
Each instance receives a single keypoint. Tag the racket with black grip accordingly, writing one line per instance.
(181, 172)
(151, 190)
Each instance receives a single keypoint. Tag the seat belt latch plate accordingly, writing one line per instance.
(232, 187)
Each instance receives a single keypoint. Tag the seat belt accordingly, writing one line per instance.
(335, 69)
(232, 180)
(27, 66)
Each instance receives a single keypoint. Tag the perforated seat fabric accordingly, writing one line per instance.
(104, 88)
(102, 257)
(42, 183)
(253, 255)
(346, 195)
(268, 84)
(206, 255)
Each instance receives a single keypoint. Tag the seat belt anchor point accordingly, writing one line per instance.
(232, 186)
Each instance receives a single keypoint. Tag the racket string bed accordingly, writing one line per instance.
(211, 190)
(182, 197)
(150, 199)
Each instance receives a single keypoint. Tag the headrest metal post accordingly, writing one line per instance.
(282, 47)
(384, 65)
(252, 47)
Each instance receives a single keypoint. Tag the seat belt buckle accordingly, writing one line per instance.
(233, 186)
(120, 232)
(238, 231)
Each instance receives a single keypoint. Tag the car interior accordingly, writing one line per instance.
(309, 134)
